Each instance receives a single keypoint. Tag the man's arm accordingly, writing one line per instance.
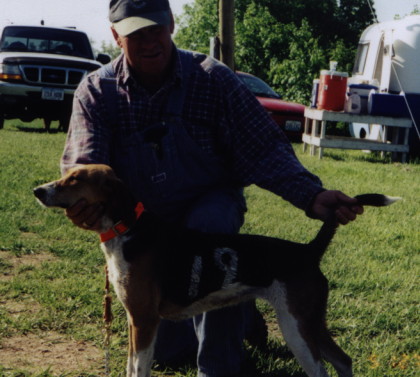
(88, 136)
(86, 143)
(264, 156)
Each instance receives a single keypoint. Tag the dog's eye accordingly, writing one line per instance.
(73, 179)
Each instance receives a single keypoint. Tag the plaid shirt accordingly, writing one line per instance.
(220, 114)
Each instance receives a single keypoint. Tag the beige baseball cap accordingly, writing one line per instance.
(128, 16)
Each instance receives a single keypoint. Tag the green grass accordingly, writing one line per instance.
(372, 264)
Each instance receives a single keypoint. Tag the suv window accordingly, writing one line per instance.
(48, 40)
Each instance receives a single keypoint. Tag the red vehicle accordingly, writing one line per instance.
(288, 115)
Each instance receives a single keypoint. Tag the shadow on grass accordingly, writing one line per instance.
(257, 363)
(261, 363)
(371, 157)
(38, 130)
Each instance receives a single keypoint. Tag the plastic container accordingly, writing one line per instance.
(363, 91)
(353, 104)
(392, 105)
(332, 90)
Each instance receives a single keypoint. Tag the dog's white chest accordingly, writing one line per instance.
(117, 267)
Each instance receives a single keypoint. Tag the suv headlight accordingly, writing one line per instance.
(10, 72)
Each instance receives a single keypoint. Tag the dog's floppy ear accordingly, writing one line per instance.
(114, 186)
(120, 200)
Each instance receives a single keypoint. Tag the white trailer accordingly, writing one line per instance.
(388, 55)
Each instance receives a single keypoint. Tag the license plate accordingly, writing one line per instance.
(292, 125)
(52, 94)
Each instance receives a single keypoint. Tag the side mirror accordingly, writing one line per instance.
(103, 58)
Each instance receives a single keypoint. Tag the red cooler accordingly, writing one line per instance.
(332, 90)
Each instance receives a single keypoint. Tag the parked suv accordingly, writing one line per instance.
(40, 68)
(288, 115)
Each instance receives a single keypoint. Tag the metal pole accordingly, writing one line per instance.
(227, 31)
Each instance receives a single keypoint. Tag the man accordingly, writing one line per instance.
(186, 136)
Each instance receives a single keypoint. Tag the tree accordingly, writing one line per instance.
(294, 74)
(353, 16)
(415, 11)
(260, 33)
(285, 42)
(197, 25)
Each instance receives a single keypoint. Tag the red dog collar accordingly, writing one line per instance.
(120, 228)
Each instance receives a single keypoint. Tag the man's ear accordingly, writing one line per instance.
(116, 36)
(172, 24)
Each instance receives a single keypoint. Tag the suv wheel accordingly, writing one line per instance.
(47, 124)
(64, 123)
(1, 121)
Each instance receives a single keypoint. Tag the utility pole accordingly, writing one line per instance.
(227, 31)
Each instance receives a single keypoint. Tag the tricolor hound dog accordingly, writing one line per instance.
(159, 270)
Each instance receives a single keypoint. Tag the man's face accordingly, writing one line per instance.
(148, 50)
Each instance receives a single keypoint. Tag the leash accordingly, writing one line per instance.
(116, 230)
(108, 321)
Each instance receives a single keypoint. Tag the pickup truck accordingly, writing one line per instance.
(40, 68)
(289, 116)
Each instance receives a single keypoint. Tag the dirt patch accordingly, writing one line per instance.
(37, 353)
(15, 263)
(25, 307)
(43, 351)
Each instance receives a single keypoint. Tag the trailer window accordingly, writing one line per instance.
(379, 61)
(359, 65)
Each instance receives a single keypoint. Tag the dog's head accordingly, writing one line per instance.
(93, 183)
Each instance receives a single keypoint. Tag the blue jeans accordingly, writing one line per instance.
(220, 333)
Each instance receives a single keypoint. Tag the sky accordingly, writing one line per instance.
(91, 16)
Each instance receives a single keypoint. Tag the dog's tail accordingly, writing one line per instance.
(327, 231)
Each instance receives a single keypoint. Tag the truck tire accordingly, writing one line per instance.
(64, 123)
(47, 124)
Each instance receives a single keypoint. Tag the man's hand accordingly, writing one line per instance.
(331, 202)
(86, 216)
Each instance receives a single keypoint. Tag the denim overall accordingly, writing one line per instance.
(176, 179)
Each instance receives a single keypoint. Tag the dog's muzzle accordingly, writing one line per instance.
(40, 193)
(45, 195)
